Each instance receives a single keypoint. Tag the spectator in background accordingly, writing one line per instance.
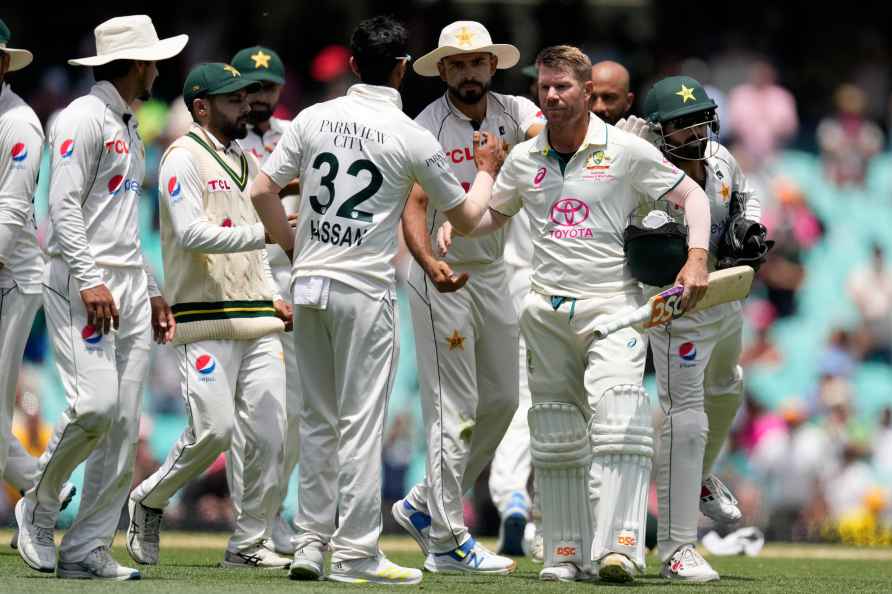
(848, 139)
(870, 288)
(762, 113)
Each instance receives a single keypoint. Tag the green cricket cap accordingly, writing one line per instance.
(260, 63)
(215, 78)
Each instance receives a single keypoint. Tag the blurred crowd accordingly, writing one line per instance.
(811, 453)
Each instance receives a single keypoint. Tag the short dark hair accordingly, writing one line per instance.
(113, 70)
(376, 44)
(566, 57)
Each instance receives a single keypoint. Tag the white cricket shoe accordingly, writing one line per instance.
(416, 523)
(260, 556)
(99, 565)
(374, 570)
(308, 562)
(282, 536)
(471, 557)
(565, 572)
(717, 502)
(616, 568)
(69, 490)
(36, 546)
(513, 526)
(687, 565)
(143, 533)
(533, 543)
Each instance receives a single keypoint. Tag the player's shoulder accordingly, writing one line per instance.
(19, 116)
(434, 115)
(513, 105)
(83, 113)
(721, 156)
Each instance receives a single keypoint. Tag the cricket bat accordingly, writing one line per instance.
(730, 284)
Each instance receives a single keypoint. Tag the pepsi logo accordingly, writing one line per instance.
(115, 184)
(687, 351)
(67, 148)
(205, 365)
(19, 152)
(173, 187)
(91, 334)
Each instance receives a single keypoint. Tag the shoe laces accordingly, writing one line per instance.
(101, 558)
(152, 528)
(44, 536)
(719, 489)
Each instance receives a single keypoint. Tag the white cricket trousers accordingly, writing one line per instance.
(235, 457)
(346, 355)
(511, 464)
(227, 383)
(103, 379)
(466, 346)
(696, 359)
(17, 311)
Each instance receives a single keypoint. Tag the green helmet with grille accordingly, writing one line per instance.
(679, 103)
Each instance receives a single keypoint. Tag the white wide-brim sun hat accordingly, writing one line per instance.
(131, 38)
(465, 37)
(18, 58)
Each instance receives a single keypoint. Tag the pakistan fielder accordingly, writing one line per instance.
(467, 366)
(264, 131)
(696, 357)
(579, 181)
(102, 307)
(21, 261)
(228, 321)
(357, 157)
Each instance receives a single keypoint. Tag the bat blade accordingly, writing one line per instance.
(725, 286)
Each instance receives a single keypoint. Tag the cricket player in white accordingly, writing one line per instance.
(579, 181)
(467, 365)
(101, 304)
(357, 157)
(264, 132)
(21, 260)
(696, 356)
(228, 314)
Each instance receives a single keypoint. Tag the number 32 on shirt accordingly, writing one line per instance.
(349, 208)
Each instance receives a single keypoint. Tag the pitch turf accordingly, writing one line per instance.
(190, 565)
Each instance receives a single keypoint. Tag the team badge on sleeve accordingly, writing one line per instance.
(19, 152)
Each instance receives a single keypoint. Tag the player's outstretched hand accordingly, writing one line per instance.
(639, 127)
(163, 323)
(694, 277)
(284, 312)
(443, 277)
(102, 313)
(444, 238)
(489, 154)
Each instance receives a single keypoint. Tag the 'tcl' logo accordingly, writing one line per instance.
(569, 212)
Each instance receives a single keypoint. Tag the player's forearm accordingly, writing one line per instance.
(9, 232)
(71, 233)
(490, 222)
(467, 216)
(415, 231)
(269, 208)
(690, 196)
(202, 236)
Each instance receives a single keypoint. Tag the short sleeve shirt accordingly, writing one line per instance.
(577, 217)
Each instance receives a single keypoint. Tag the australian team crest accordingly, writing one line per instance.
(598, 161)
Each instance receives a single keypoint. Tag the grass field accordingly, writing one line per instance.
(189, 564)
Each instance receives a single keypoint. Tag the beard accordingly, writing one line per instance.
(237, 129)
(469, 92)
(145, 95)
(260, 112)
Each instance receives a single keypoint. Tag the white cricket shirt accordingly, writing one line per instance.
(577, 217)
(508, 117)
(98, 166)
(21, 145)
(357, 157)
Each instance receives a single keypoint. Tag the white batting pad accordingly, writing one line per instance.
(559, 446)
(622, 447)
